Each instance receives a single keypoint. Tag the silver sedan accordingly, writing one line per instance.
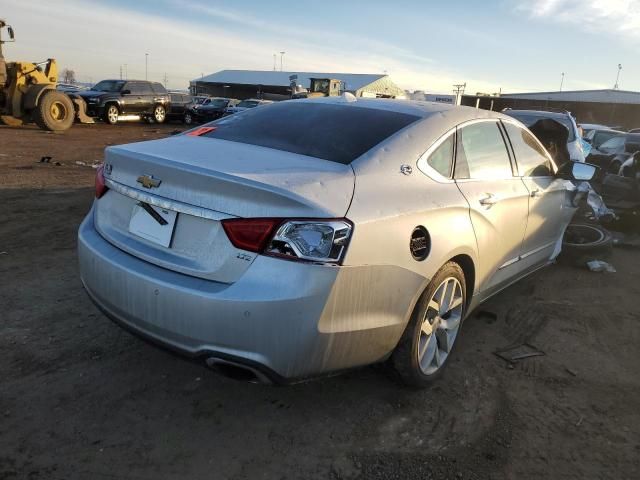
(312, 236)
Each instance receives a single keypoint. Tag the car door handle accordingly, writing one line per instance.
(489, 201)
(535, 193)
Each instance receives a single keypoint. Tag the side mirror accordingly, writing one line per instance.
(582, 172)
(125, 92)
(10, 31)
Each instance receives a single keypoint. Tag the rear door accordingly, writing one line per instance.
(549, 213)
(497, 198)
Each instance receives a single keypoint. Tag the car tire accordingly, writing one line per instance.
(432, 332)
(111, 113)
(188, 119)
(159, 114)
(583, 242)
(54, 112)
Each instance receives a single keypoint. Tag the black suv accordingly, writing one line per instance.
(110, 99)
(210, 109)
(180, 103)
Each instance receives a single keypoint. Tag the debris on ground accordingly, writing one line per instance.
(47, 159)
(519, 352)
(600, 266)
(85, 164)
(573, 373)
(622, 240)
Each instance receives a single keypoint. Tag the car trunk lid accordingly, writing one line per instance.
(206, 180)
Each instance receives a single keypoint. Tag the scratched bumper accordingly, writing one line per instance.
(295, 319)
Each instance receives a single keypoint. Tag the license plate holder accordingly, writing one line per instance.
(142, 224)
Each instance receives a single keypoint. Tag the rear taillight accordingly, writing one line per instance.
(101, 187)
(250, 234)
(322, 241)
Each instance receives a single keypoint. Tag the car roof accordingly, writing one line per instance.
(417, 108)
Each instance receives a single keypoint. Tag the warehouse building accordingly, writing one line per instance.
(609, 106)
(275, 85)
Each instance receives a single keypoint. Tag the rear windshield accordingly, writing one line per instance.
(339, 133)
(529, 119)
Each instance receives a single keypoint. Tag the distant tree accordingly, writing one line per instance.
(68, 76)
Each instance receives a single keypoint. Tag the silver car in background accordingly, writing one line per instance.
(311, 236)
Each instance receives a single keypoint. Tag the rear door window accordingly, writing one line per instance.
(481, 152)
(339, 133)
(531, 158)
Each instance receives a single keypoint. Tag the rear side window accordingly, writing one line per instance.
(481, 152)
(339, 133)
(442, 158)
(158, 88)
(530, 156)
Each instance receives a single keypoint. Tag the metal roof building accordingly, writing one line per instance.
(595, 96)
(607, 107)
(276, 85)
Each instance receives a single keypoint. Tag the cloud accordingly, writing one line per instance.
(619, 17)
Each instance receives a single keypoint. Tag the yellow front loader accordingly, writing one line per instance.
(28, 93)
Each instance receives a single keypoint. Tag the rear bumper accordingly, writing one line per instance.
(286, 319)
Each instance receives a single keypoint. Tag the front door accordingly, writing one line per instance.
(549, 209)
(498, 202)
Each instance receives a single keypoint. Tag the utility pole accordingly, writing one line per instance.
(125, 72)
(120, 72)
(165, 79)
(458, 90)
(146, 66)
(562, 81)
(281, 55)
(616, 86)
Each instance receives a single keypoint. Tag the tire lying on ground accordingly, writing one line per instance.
(583, 242)
(54, 112)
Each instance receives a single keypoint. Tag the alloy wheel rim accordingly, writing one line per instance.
(113, 114)
(440, 325)
(159, 114)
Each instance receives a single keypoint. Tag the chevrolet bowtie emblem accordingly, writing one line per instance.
(147, 181)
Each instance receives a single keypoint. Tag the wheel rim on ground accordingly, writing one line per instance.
(112, 114)
(159, 114)
(440, 326)
(582, 235)
(58, 111)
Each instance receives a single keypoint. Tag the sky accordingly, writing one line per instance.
(492, 45)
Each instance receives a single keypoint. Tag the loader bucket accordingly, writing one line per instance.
(81, 110)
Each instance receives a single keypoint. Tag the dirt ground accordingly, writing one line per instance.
(82, 399)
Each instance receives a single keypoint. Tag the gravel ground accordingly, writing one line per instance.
(82, 399)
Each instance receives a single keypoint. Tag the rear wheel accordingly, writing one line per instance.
(54, 111)
(111, 114)
(429, 338)
(159, 114)
(188, 118)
